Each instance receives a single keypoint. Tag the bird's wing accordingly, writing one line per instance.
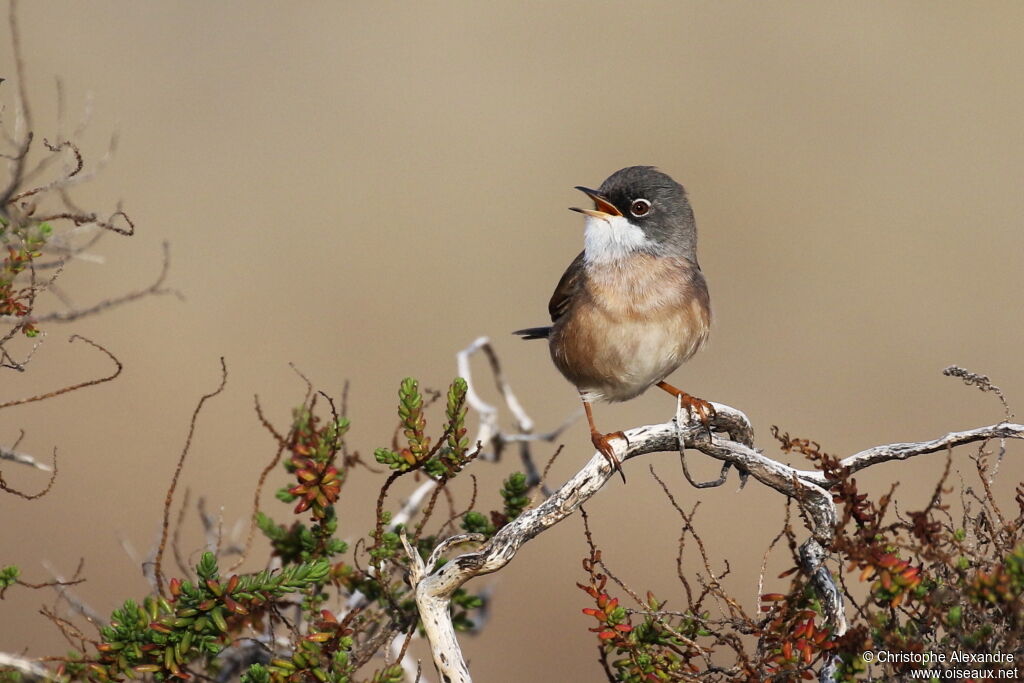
(568, 286)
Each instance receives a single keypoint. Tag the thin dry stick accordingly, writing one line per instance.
(155, 289)
(65, 593)
(73, 387)
(23, 117)
(767, 553)
(47, 584)
(32, 496)
(169, 498)
(27, 667)
(176, 537)
(282, 444)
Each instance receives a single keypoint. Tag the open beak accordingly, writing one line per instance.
(602, 207)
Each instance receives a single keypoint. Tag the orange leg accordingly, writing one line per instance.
(695, 406)
(602, 442)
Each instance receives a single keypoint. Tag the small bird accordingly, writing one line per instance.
(634, 304)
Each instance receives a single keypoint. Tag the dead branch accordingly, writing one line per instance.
(489, 433)
(30, 669)
(155, 289)
(165, 527)
(73, 387)
(435, 587)
(905, 451)
(23, 459)
(33, 496)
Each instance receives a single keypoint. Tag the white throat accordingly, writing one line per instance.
(611, 239)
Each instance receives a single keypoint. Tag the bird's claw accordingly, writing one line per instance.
(699, 408)
(602, 442)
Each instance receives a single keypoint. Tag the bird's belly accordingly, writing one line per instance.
(616, 358)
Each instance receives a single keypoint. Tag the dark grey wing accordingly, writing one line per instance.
(565, 292)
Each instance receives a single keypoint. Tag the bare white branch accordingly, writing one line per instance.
(905, 451)
(434, 588)
(489, 433)
(413, 504)
(23, 459)
(74, 602)
(437, 622)
(29, 668)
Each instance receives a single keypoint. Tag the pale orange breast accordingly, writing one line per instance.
(630, 326)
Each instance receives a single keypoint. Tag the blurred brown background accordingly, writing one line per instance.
(363, 190)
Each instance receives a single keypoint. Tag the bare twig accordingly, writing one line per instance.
(982, 382)
(64, 592)
(282, 445)
(32, 496)
(155, 289)
(904, 451)
(22, 136)
(23, 459)
(489, 432)
(73, 387)
(158, 561)
(30, 669)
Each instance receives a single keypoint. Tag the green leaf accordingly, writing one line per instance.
(207, 567)
(257, 673)
(9, 576)
(476, 523)
(514, 492)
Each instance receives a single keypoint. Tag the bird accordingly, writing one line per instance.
(634, 304)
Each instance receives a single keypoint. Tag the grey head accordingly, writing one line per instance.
(652, 201)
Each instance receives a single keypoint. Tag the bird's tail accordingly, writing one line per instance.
(534, 333)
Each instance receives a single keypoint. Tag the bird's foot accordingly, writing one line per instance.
(695, 407)
(703, 410)
(602, 442)
(698, 407)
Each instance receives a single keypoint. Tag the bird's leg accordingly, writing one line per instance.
(694, 406)
(602, 442)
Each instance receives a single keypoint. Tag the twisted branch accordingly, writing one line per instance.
(434, 587)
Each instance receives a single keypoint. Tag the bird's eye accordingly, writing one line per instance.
(639, 207)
